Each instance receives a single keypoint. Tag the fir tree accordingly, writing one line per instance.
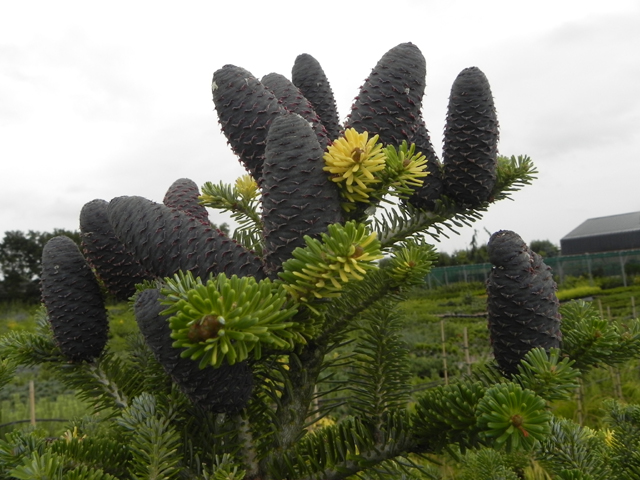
(240, 334)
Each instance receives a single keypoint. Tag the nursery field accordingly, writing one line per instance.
(445, 332)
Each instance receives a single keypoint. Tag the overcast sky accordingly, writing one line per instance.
(102, 99)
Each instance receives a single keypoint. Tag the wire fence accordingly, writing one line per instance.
(621, 265)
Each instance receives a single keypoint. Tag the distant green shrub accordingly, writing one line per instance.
(609, 282)
(577, 292)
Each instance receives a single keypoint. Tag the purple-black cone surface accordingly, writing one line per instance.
(390, 100)
(298, 197)
(245, 109)
(184, 195)
(113, 263)
(74, 303)
(166, 240)
(522, 306)
(470, 140)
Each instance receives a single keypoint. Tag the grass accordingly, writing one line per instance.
(578, 292)
(15, 316)
(52, 413)
(53, 399)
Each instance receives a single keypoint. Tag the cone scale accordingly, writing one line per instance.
(523, 309)
(245, 109)
(74, 303)
(308, 76)
(165, 241)
(183, 194)
(298, 197)
(294, 101)
(114, 264)
(470, 140)
(389, 102)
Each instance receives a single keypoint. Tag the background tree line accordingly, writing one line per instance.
(478, 254)
(20, 263)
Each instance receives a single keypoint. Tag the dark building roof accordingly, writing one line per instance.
(603, 234)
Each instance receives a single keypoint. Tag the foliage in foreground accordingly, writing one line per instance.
(232, 375)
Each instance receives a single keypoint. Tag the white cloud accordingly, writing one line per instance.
(114, 99)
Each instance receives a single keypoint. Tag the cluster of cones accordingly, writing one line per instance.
(279, 129)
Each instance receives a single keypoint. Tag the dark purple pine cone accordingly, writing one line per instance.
(166, 240)
(183, 194)
(308, 76)
(113, 263)
(74, 303)
(298, 198)
(470, 140)
(522, 305)
(220, 390)
(245, 109)
(425, 196)
(389, 102)
(294, 101)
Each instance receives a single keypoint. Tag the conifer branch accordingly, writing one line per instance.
(50, 465)
(92, 451)
(622, 438)
(380, 374)
(446, 415)
(108, 383)
(394, 225)
(39, 467)
(225, 469)
(17, 445)
(404, 221)
(7, 370)
(104, 382)
(513, 174)
(299, 385)
(573, 447)
(487, 464)
(29, 348)
(590, 340)
(242, 201)
(356, 298)
(154, 442)
(547, 375)
(340, 450)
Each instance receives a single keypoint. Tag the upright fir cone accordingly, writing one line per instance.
(74, 303)
(183, 194)
(389, 102)
(471, 135)
(113, 263)
(298, 198)
(166, 240)
(220, 390)
(294, 101)
(425, 197)
(245, 109)
(522, 305)
(309, 77)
